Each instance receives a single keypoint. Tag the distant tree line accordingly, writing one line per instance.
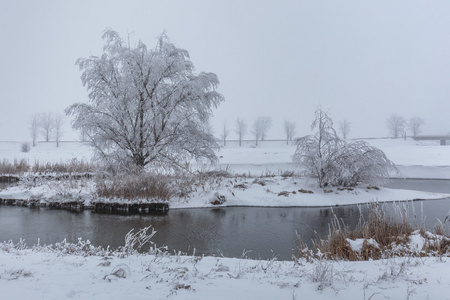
(261, 127)
(398, 126)
(47, 125)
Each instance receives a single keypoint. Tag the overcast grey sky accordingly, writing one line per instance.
(359, 60)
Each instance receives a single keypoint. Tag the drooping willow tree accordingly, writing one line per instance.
(335, 162)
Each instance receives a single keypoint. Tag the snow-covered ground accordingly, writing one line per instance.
(55, 274)
(425, 159)
(414, 159)
(45, 152)
(45, 274)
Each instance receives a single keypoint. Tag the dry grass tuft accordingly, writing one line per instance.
(22, 167)
(135, 187)
(381, 236)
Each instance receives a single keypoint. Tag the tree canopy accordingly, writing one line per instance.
(146, 106)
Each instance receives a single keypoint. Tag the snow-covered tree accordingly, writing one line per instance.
(146, 107)
(344, 128)
(47, 125)
(396, 125)
(241, 129)
(260, 128)
(415, 124)
(83, 136)
(225, 132)
(58, 120)
(289, 130)
(34, 127)
(334, 162)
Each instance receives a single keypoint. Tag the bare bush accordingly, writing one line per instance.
(25, 147)
(334, 162)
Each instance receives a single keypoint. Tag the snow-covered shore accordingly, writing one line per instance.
(260, 183)
(55, 274)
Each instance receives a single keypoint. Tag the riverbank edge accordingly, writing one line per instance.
(161, 207)
(269, 191)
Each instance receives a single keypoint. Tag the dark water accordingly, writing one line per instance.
(265, 232)
(431, 185)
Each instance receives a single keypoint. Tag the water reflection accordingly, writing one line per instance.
(217, 231)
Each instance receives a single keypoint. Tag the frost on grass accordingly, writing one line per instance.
(381, 236)
(45, 270)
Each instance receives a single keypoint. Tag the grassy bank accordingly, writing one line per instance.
(383, 235)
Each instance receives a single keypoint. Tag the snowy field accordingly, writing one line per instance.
(415, 159)
(31, 274)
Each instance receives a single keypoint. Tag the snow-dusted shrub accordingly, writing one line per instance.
(334, 162)
(322, 273)
(134, 241)
(25, 147)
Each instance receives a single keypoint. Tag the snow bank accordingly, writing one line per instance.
(276, 191)
(31, 274)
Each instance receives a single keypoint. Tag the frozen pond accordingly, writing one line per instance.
(265, 232)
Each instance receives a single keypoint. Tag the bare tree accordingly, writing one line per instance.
(396, 125)
(334, 162)
(241, 129)
(344, 128)
(225, 132)
(207, 128)
(34, 127)
(47, 125)
(146, 106)
(289, 129)
(58, 120)
(83, 135)
(260, 128)
(415, 124)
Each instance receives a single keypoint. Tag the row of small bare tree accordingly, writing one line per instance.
(262, 125)
(48, 125)
(398, 126)
(259, 129)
